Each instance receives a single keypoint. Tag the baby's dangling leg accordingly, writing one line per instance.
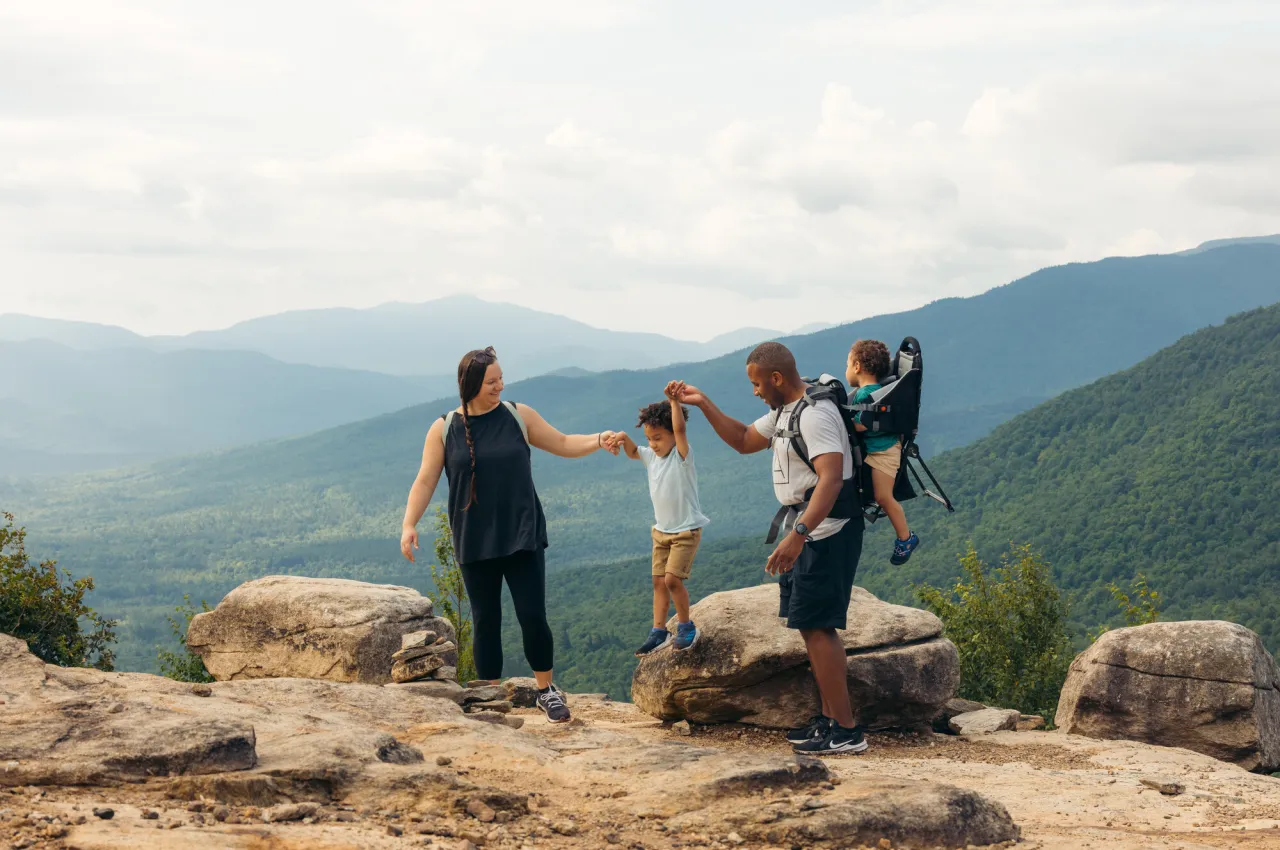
(906, 542)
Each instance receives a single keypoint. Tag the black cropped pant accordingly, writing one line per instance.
(526, 575)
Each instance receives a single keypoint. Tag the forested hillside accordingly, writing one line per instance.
(330, 504)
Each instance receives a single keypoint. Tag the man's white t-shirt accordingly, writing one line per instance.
(824, 433)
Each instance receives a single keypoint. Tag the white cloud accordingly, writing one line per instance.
(606, 159)
(896, 25)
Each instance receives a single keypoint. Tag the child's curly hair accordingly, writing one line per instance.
(873, 356)
(658, 415)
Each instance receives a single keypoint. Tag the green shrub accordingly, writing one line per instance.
(46, 608)
(1010, 627)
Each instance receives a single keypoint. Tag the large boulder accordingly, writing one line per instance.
(311, 628)
(1204, 685)
(746, 666)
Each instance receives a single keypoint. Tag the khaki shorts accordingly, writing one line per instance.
(886, 461)
(673, 553)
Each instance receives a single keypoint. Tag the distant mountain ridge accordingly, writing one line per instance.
(410, 339)
(82, 396)
(69, 410)
(1239, 240)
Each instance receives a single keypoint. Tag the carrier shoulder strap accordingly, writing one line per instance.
(524, 427)
(813, 395)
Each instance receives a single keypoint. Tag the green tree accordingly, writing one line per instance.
(451, 595)
(1010, 627)
(183, 665)
(46, 608)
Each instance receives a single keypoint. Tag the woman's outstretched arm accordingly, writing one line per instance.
(424, 487)
(543, 436)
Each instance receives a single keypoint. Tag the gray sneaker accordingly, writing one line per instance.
(551, 701)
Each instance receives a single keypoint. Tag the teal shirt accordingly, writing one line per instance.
(875, 440)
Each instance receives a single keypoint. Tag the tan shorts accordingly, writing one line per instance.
(886, 461)
(673, 553)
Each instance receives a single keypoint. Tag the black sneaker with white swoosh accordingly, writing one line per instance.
(835, 739)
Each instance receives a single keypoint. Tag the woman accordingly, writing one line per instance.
(499, 531)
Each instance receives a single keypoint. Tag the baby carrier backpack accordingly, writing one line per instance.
(893, 409)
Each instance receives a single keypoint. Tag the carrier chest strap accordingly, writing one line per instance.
(784, 520)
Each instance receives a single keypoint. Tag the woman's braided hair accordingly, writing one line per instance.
(471, 371)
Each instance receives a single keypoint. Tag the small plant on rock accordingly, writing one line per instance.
(451, 595)
(183, 665)
(1139, 605)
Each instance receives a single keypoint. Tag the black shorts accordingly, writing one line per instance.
(815, 593)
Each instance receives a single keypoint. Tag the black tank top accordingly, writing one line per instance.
(506, 516)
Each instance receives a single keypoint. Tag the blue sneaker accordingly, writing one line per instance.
(657, 638)
(902, 550)
(686, 635)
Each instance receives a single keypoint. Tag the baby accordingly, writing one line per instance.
(868, 365)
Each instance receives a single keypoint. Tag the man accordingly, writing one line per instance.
(817, 556)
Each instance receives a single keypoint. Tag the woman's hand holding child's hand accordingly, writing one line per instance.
(609, 441)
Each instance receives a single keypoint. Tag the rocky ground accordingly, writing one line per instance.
(617, 778)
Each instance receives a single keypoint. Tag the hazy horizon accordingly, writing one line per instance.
(640, 165)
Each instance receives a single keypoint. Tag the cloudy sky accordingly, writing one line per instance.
(684, 167)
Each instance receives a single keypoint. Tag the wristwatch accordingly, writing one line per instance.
(802, 530)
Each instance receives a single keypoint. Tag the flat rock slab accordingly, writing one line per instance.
(417, 668)
(438, 688)
(483, 693)
(78, 726)
(521, 691)
(748, 667)
(391, 748)
(905, 814)
(985, 721)
(1204, 685)
(428, 649)
(308, 628)
(416, 639)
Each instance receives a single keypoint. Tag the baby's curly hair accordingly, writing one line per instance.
(872, 355)
(658, 415)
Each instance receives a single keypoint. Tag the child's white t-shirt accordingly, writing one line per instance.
(673, 487)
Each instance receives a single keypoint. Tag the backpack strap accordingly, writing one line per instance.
(814, 394)
(524, 427)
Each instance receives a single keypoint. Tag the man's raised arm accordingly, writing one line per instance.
(743, 439)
